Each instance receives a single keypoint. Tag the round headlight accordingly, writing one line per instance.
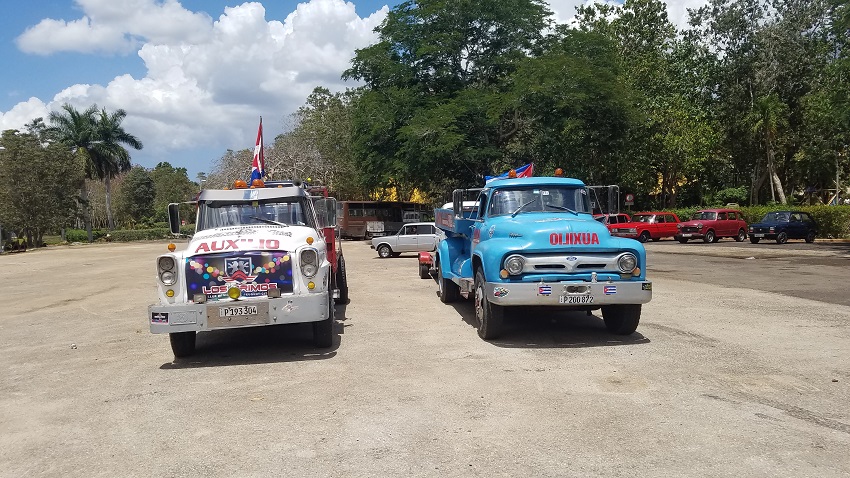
(514, 265)
(699, 226)
(678, 226)
(308, 270)
(166, 263)
(627, 263)
(167, 278)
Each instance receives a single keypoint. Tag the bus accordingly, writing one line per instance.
(367, 219)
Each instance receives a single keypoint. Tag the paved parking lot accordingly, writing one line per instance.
(733, 372)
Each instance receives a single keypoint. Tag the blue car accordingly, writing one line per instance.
(783, 225)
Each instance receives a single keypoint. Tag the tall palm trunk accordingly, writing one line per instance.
(84, 198)
(109, 221)
(775, 182)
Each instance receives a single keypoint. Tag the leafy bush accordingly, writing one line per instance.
(731, 195)
(80, 235)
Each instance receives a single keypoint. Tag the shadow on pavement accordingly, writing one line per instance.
(541, 327)
(257, 345)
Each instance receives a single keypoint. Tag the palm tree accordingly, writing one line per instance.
(768, 117)
(76, 129)
(110, 157)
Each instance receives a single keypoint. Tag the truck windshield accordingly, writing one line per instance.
(557, 199)
(290, 212)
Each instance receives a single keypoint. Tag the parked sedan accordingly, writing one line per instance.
(612, 220)
(648, 225)
(783, 225)
(712, 224)
(413, 237)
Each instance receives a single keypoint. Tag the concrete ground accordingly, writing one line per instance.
(740, 367)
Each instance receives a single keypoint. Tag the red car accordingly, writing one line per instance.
(648, 225)
(612, 220)
(712, 224)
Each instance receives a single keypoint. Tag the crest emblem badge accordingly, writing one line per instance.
(238, 269)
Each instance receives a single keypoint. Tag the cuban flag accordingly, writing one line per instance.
(544, 290)
(525, 171)
(609, 289)
(258, 165)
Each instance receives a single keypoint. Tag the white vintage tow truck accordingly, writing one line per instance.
(261, 255)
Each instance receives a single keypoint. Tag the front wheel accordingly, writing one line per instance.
(342, 282)
(384, 251)
(810, 237)
(742, 234)
(448, 290)
(782, 237)
(755, 240)
(621, 319)
(182, 343)
(490, 316)
(709, 237)
(644, 236)
(323, 330)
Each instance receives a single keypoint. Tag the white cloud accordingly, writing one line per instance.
(208, 85)
(22, 113)
(565, 10)
(110, 26)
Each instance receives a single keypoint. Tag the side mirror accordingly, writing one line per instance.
(325, 212)
(174, 217)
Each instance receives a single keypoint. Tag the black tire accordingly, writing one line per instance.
(755, 240)
(810, 237)
(621, 319)
(384, 251)
(782, 237)
(448, 290)
(182, 343)
(490, 316)
(742, 234)
(682, 240)
(424, 271)
(709, 237)
(342, 282)
(644, 236)
(323, 330)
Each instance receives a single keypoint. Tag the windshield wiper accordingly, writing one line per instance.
(522, 207)
(562, 208)
(268, 221)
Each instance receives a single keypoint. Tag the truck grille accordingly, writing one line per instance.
(690, 229)
(572, 263)
(254, 272)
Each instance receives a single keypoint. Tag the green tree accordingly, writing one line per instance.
(170, 185)
(136, 196)
(110, 155)
(36, 184)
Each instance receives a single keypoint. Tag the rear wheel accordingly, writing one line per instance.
(490, 316)
(644, 236)
(755, 240)
(810, 237)
(709, 237)
(342, 282)
(384, 251)
(742, 234)
(323, 330)
(424, 271)
(782, 237)
(449, 291)
(621, 319)
(182, 343)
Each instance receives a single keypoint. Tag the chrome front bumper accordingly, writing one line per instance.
(164, 319)
(569, 294)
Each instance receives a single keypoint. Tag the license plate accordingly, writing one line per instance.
(237, 310)
(758, 235)
(687, 235)
(576, 299)
(238, 315)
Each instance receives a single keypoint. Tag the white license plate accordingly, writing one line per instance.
(576, 299)
(687, 235)
(758, 235)
(235, 311)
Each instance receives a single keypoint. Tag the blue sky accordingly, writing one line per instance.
(193, 75)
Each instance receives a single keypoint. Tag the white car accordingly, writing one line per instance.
(412, 237)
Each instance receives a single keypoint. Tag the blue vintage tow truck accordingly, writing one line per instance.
(534, 242)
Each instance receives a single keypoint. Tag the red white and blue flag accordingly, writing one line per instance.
(609, 289)
(258, 165)
(525, 171)
(544, 290)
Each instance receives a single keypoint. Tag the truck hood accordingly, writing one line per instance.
(554, 229)
(252, 238)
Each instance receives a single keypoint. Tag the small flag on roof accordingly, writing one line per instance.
(258, 164)
(525, 171)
